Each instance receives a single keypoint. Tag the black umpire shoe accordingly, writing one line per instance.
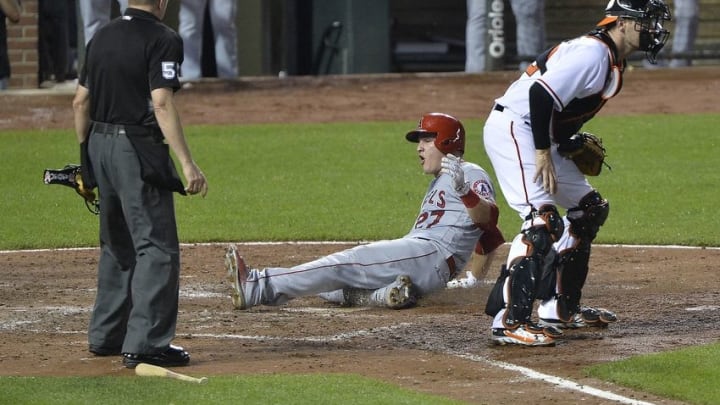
(174, 356)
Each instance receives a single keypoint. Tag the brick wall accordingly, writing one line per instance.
(22, 48)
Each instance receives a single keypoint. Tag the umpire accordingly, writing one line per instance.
(124, 114)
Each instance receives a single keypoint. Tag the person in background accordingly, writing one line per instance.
(191, 24)
(53, 42)
(96, 13)
(529, 28)
(10, 10)
(686, 14)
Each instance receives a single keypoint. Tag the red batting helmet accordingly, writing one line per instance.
(448, 131)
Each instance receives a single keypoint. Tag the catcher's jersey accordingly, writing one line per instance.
(579, 74)
(444, 218)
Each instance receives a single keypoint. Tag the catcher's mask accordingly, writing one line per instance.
(648, 16)
(448, 131)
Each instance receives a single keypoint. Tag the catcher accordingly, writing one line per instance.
(541, 159)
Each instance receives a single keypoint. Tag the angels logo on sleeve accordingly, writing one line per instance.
(483, 189)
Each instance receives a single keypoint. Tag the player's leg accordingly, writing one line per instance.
(530, 29)
(512, 322)
(509, 143)
(222, 15)
(94, 14)
(190, 27)
(475, 33)
(400, 294)
(564, 309)
(686, 15)
(369, 267)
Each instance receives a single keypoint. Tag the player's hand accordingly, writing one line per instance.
(545, 170)
(452, 166)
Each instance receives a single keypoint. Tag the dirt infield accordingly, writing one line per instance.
(665, 298)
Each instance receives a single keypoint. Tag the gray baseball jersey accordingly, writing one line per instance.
(442, 231)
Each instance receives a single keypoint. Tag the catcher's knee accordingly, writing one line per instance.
(543, 228)
(590, 214)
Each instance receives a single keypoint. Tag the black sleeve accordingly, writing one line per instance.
(165, 60)
(541, 110)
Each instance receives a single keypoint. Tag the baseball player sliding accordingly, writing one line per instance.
(525, 136)
(457, 212)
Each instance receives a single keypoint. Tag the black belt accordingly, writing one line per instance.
(107, 129)
(501, 108)
(104, 128)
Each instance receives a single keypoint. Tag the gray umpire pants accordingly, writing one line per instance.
(138, 274)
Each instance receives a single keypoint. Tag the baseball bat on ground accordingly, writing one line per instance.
(149, 370)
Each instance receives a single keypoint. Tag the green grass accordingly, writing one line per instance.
(315, 389)
(688, 375)
(345, 181)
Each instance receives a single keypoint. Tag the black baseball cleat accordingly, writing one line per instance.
(174, 356)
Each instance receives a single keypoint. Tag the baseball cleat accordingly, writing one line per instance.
(236, 275)
(401, 294)
(522, 335)
(588, 317)
(547, 330)
(468, 282)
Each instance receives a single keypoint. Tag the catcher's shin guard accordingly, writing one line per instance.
(543, 228)
(572, 265)
(495, 301)
(520, 287)
(572, 270)
(546, 284)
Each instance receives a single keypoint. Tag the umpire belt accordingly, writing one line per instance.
(104, 128)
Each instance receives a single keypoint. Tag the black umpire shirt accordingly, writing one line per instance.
(127, 59)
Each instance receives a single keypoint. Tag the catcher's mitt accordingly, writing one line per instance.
(586, 150)
(70, 176)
